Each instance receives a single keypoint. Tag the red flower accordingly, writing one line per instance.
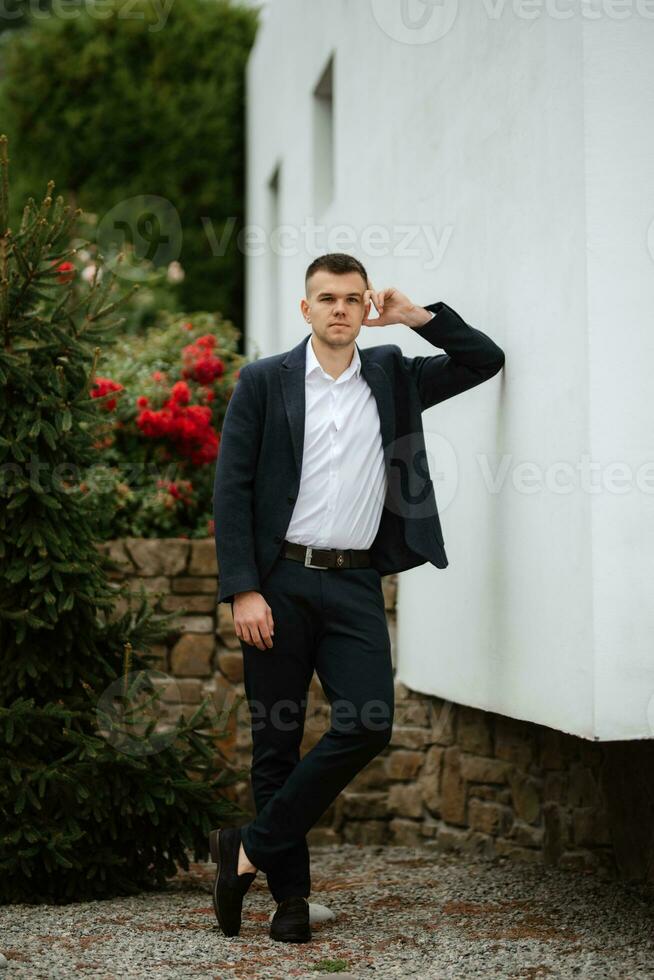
(200, 361)
(102, 387)
(181, 491)
(66, 271)
(180, 394)
(187, 426)
(142, 401)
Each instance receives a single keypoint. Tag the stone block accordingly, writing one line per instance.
(224, 694)
(404, 764)
(402, 692)
(478, 769)
(554, 748)
(583, 788)
(590, 826)
(515, 741)
(157, 658)
(405, 801)
(526, 835)
(362, 806)
(192, 655)
(409, 737)
(225, 626)
(555, 833)
(203, 560)
(429, 781)
(579, 861)
(323, 837)
(526, 795)
(230, 664)
(521, 855)
(411, 713)
(186, 584)
(590, 752)
(117, 552)
(366, 832)
(453, 839)
(406, 833)
(195, 624)
(429, 827)
(373, 776)
(185, 691)
(442, 716)
(151, 585)
(555, 786)
(189, 603)
(489, 818)
(158, 556)
(168, 689)
(453, 788)
(473, 732)
(481, 791)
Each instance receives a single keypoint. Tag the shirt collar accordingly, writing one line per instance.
(313, 364)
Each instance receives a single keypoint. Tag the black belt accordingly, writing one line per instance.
(327, 557)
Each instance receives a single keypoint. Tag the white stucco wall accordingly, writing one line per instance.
(515, 144)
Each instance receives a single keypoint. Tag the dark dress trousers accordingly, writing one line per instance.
(328, 620)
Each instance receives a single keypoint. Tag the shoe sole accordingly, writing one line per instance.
(298, 937)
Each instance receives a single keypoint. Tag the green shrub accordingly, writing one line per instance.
(94, 800)
(139, 98)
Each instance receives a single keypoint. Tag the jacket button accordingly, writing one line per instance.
(291, 500)
(277, 539)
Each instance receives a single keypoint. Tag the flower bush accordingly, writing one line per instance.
(164, 394)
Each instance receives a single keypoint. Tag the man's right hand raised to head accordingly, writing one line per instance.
(253, 620)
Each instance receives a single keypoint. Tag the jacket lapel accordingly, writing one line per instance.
(292, 373)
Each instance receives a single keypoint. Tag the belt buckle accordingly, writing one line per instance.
(307, 559)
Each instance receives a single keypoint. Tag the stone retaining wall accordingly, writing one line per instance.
(453, 777)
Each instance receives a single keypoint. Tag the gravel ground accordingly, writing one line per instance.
(400, 912)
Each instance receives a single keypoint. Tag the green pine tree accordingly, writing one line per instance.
(95, 798)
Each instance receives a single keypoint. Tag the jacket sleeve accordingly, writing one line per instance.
(471, 357)
(233, 491)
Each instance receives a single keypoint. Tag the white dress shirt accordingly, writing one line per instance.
(343, 480)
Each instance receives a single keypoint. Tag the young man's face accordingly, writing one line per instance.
(335, 307)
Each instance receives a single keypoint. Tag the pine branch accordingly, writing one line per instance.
(4, 185)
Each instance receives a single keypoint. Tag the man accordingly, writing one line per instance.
(321, 487)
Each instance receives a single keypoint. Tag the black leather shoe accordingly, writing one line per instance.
(229, 887)
(290, 923)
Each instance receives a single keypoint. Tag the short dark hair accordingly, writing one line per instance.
(337, 262)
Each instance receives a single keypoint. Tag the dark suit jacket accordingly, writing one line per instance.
(257, 473)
